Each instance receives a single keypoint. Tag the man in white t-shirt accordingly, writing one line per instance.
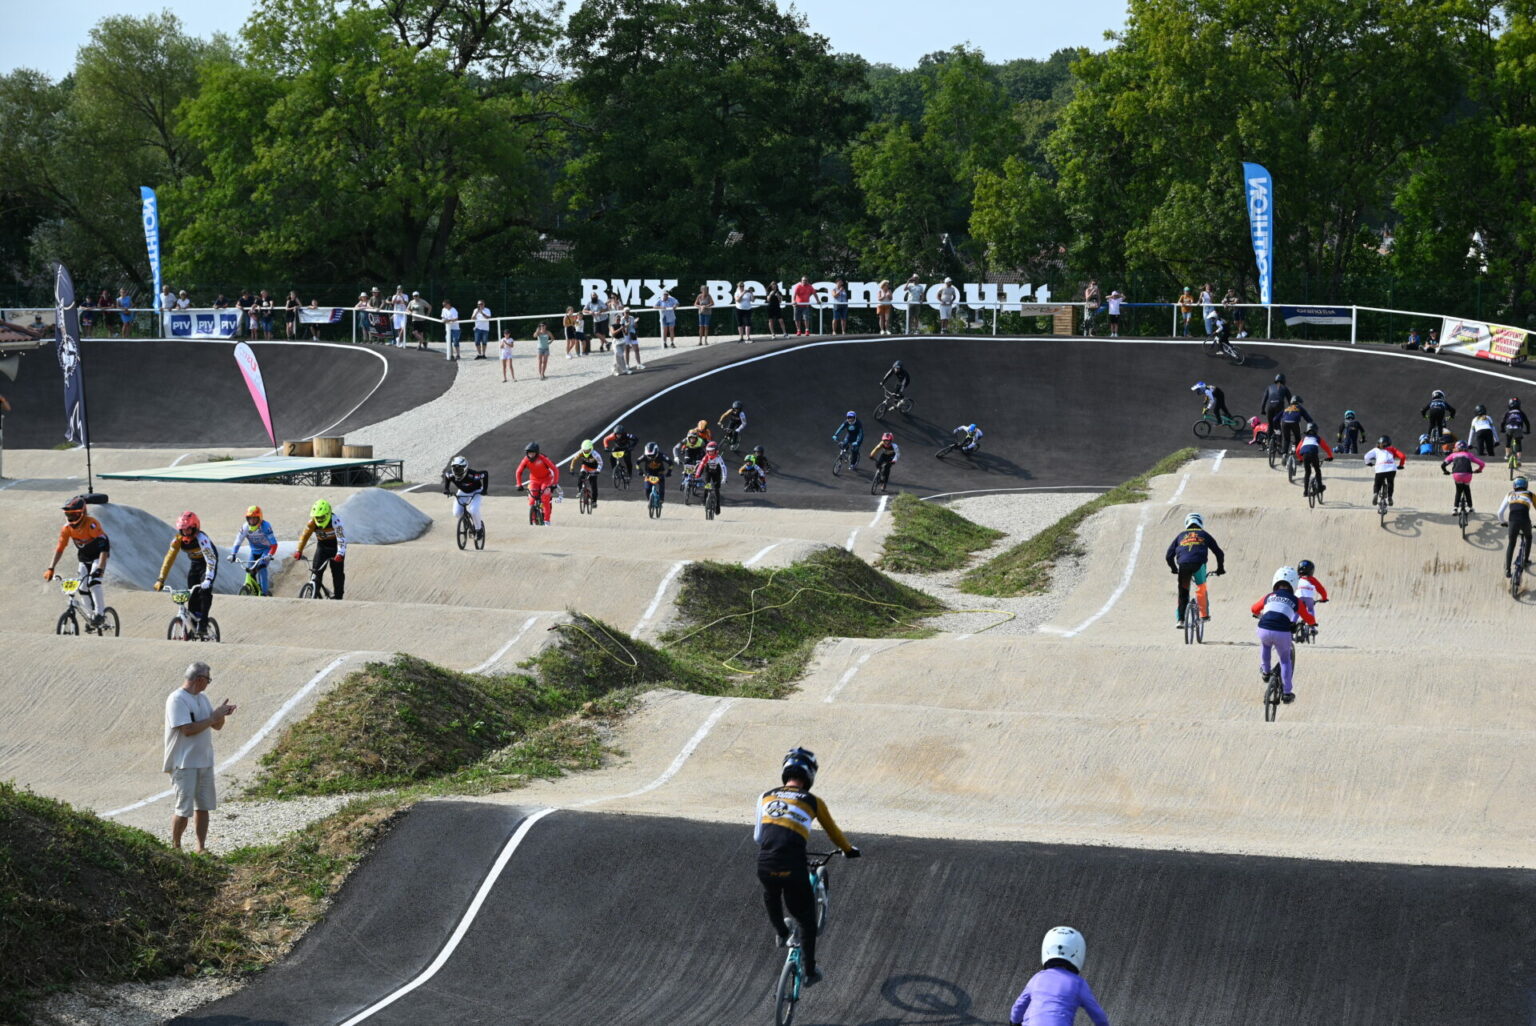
(189, 752)
(451, 329)
(1114, 301)
(482, 315)
(1208, 307)
(949, 298)
(401, 307)
(912, 294)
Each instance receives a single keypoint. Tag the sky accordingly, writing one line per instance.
(45, 36)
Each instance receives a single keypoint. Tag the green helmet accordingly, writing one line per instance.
(586, 445)
(320, 512)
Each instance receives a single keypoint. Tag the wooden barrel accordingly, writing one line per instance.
(328, 447)
(304, 448)
(357, 452)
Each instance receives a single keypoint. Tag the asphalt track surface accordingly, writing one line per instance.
(1058, 413)
(140, 393)
(627, 919)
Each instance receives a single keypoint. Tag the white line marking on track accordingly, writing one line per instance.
(255, 739)
(884, 500)
(503, 650)
(412, 488)
(183, 456)
(1219, 457)
(1179, 490)
(464, 922)
(761, 553)
(1125, 579)
(851, 536)
(848, 675)
(1053, 629)
(677, 763)
(661, 589)
(11, 484)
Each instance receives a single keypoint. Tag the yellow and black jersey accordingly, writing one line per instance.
(784, 817)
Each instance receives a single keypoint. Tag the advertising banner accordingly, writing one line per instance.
(1316, 314)
(252, 373)
(202, 324)
(151, 215)
(67, 333)
(1261, 213)
(1484, 341)
(321, 314)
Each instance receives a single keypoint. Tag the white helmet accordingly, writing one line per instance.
(458, 465)
(1194, 520)
(1288, 575)
(1065, 943)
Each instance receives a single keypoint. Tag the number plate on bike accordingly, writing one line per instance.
(181, 598)
(70, 586)
(652, 479)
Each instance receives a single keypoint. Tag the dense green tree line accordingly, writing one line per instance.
(430, 141)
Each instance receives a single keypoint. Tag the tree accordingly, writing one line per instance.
(712, 137)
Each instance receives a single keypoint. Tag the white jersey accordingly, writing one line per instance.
(1384, 460)
(1482, 423)
(1306, 591)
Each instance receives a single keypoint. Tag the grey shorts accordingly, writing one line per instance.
(194, 791)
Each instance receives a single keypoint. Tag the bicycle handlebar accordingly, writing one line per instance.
(820, 858)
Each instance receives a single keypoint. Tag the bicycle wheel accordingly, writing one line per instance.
(68, 622)
(463, 531)
(308, 591)
(823, 906)
(654, 505)
(877, 483)
(210, 630)
(1290, 467)
(905, 406)
(1235, 353)
(1274, 452)
(1311, 495)
(787, 992)
(177, 631)
(1381, 507)
(951, 447)
(109, 623)
(882, 409)
(250, 587)
(1202, 428)
(1517, 572)
(1272, 693)
(480, 537)
(1461, 520)
(1191, 621)
(585, 502)
(711, 504)
(842, 461)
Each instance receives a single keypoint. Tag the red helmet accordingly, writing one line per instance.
(74, 509)
(188, 522)
(712, 447)
(253, 513)
(887, 437)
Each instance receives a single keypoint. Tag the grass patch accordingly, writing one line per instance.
(926, 537)
(766, 622)
(84, 898)
(1026, 568)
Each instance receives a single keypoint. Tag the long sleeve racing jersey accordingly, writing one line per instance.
(1052, 997)
(262, 540)
(1516, 509)
(331, 532)
(1279, 611)
(1387, 459)
(1194, 546)
(783, 826)
(199, 548)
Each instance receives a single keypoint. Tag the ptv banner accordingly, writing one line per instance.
(1484, 341)
(252, 373)
(202, 324)
(1261, 213)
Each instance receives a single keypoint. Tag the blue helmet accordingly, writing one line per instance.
(971, 429)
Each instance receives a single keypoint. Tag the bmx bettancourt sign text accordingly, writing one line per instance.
(981, 295)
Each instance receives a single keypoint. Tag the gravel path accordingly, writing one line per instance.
(1020, 517)
(478, 401)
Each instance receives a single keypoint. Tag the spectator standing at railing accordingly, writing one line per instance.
(1116, 298)
(572, 325)
(264, 307)
(746, 298)
(125, 304)
(1186, 308)
(104, 304)
(165, 303)
(1234, 305)
(183, 301)
(802, 295)
(482, 316)
(401, 307)
(291, 315)
(246, 303)
(451, 330)
(884, 302)
(949, 297)
(1091, 302)
(314, 325)
(375, 300)
(706, 304)
(667, 304)
(600, 312)
(912, 295)
(773, 308)
(1208, 307)
(840, 307)
(221, 303)
(419, 309)
(615, 332)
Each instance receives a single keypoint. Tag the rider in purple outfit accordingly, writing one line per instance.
(1054, 994)
(1277, 614)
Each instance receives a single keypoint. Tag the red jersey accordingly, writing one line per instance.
(541, 471)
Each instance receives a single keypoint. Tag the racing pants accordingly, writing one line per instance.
(325, 555)
(1385, 480)
(1517, 529)
(471, 502)
(1193, 572)
(791, 888)
(201, 600)
(1282, 644)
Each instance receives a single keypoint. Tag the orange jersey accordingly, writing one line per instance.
(82, 533)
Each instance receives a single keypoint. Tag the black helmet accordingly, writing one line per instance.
(618, 429)
(1514, 404)
(757, 450)
(1279, 379)
(1437, 394)
(532, 448)
(1305, 568)
(1296, 399)
(736, 405)
(651, 448)
(1384, 441)
(896, 365)
(74, 509)
(1311, 430)
(1480, 409)
(799, 763)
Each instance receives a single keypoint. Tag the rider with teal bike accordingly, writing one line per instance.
(1215, 402)
(784, 818)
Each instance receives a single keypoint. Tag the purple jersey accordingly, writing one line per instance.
(1052, 998)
